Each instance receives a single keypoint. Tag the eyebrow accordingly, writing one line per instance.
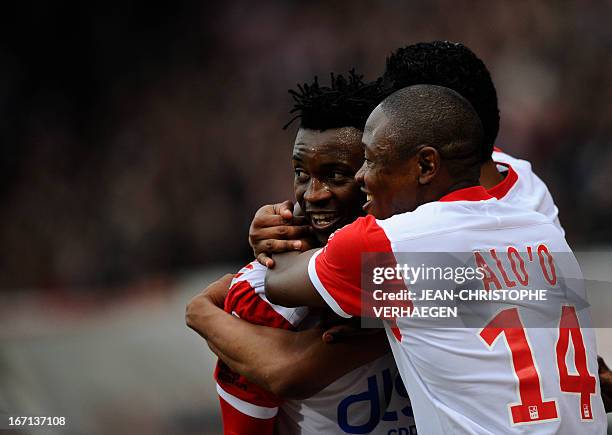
(296, 156)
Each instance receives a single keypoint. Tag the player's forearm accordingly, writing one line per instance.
(254, 351)
(224, 333)
(291, 365)
(317, 364)
(288, 284)
(297, 365)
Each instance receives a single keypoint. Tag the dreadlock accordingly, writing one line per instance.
(347, 102)
(454, 66)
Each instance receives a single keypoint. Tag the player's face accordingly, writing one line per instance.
(389, 183)
(325, 163)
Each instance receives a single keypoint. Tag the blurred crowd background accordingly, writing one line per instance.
(139, 138)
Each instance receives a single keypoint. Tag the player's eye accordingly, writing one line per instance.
(369, 163)
(300, 175)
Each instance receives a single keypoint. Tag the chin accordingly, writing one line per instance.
(347, 221)
(380, 215)
(322, 238)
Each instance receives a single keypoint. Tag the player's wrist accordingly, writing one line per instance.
(200, 314)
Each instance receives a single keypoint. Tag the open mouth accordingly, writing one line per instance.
(368, 203)
(323, 221)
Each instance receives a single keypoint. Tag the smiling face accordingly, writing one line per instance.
(390, 183)
(325, 163)
(421, 143)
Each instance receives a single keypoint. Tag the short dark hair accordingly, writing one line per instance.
(438, 117)
(453, 66)
(347, 102)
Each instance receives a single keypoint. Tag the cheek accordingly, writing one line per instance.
(368, 176)
(299, 190)
(349, 196)
(374, 181)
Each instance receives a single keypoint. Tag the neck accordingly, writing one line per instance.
(489, 175)
(435, 193)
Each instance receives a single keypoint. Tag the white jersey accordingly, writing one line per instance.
(507, 375)
(369, 399)
(523, 188)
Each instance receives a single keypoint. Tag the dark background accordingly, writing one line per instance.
(139, 139)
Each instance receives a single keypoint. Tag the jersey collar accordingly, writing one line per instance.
(503, 187)
(474, 193)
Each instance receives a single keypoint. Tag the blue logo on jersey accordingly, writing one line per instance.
(376, 405)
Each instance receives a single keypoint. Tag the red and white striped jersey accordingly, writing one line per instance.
(479, 380)
(246, 300)
(370, 399)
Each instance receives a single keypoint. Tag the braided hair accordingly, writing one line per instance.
(346, 102)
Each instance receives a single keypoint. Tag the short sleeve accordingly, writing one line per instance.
(236, 422)
(246, 300)
(335, 270)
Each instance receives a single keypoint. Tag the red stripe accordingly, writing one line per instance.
(237, 423)
(242, 388)
(501, 189)
(249, 306)
(339, 266)
(474, 193)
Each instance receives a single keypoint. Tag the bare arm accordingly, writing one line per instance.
(288, 364)
(288, 284)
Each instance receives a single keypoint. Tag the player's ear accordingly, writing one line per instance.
(428, 161)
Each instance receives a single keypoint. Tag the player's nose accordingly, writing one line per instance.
(317, 191)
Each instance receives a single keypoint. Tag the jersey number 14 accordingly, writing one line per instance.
(532, 407)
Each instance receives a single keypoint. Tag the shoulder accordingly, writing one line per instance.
(247, 300)
(431, 218)
(253, 273)
(523, 168)
(365, 234)
(529, 190)
(442, 219)
(503, 157)
(356, 228)
(247, 283)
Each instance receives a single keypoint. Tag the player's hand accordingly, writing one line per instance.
(605, 380)
(212, 296)
(275, 229)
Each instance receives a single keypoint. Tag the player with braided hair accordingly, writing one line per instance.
(441, 63)
(268, 352)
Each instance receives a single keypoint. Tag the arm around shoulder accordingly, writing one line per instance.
(288, 283)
